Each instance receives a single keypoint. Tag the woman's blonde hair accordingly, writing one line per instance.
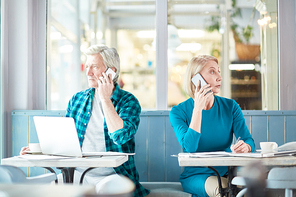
(195, 65)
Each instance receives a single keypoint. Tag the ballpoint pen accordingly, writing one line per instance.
(237, 140)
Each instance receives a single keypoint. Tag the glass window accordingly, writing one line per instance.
(1, 116)
(243, 37)
(68, 30)
(188, 37)
(74, 25)
(138, 63)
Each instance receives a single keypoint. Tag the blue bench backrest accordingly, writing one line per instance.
(156, 140)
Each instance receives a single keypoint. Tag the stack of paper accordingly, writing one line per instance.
(229, 154)
(206, 154)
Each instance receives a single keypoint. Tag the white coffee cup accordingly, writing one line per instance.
(268, 146)
(34, 147)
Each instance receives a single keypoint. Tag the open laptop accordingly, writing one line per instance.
(58, 136)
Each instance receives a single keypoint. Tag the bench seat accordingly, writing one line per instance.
(165, 189)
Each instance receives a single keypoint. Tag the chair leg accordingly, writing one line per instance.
(288, 192)
(242, 192)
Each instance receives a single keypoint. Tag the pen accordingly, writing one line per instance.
(237, 140)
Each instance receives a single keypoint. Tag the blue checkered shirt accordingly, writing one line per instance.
(122, 140)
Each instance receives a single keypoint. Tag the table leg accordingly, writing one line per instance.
(83, 174)
(222, 191)
(68, 174)
(233, 190)
(71, 174)
(52, 171)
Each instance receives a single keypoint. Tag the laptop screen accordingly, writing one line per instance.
(57, 136)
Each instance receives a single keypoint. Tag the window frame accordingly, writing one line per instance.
(17, 93)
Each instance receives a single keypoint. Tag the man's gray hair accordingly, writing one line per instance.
(109, 55)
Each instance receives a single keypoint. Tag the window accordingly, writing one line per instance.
(1, 99)
(194, 28)
(243, 39)
(74, 25)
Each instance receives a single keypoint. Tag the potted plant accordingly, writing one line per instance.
(241, 35)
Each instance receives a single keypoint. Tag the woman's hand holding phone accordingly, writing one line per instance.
(201, 95)
(200, 99)
(202, 83)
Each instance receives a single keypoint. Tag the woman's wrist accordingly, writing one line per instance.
(196, 110)
(249, 148)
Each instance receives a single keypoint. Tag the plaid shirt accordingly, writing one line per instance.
(122, 140)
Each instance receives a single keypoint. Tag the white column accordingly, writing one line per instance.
(225, 72)
(23, 59)
(287, 53)
(161, 54)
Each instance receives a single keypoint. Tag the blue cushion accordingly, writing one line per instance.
(165, 189)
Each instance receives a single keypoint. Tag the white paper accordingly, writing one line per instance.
(229, 154)
(41, 157)
(106, 154)
(206, 154)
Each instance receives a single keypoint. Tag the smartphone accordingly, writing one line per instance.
(110, 71)
(202, 81)
(200, 78)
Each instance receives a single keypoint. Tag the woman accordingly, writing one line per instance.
(206, 122)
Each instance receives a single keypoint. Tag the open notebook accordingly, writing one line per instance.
(58, 136)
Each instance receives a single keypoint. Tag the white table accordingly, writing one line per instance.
(46, 190)
(237, 161)
(67, 165)
(233, 162)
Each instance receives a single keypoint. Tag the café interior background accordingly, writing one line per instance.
(194, 28)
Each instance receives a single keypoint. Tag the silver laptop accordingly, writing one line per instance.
(58, 136)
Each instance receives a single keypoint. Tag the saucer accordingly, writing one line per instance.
(268, 151)
(34, 152)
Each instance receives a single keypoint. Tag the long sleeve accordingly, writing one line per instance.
(240, 128)
(187, 137)
(129, 111)
(218, 125)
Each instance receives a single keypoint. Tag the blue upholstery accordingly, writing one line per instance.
(163, 189)
(156, 140)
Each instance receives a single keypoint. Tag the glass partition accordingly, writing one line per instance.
(74, 25)
(241, 34)
(67, 21)
(1, 97)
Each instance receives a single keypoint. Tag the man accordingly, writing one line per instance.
(106, 117)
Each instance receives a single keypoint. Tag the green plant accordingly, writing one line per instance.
(240, 34)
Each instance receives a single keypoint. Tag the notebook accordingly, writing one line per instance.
(58, 136)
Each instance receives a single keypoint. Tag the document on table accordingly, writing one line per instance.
(272, 154)
(41, 157)
(229, 154)
(205, 154)
(87, 154)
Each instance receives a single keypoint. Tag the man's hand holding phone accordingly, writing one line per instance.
(110, 72)
(106, 84)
